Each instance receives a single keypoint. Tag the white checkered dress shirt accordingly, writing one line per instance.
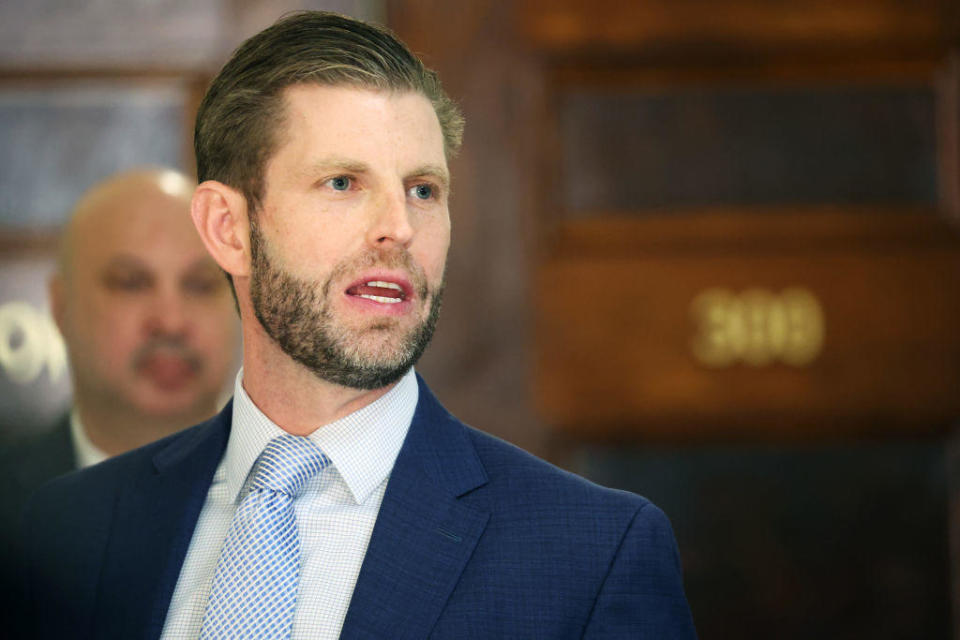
(335, 514)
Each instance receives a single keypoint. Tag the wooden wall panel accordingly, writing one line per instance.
(617, 328)
(655, 149)
(569, 25)
(758, 532)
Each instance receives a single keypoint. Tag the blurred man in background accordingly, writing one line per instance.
(149, 326)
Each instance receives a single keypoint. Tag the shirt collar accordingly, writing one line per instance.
(362, 446)
(86, 453)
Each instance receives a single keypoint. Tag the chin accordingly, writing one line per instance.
(381, 355)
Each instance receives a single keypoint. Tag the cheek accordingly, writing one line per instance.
(216, 332)
(120, 336)
(300, 226)
(309, 252)
(108, 326)
(432, 250)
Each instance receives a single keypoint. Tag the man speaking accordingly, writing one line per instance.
(335, 497)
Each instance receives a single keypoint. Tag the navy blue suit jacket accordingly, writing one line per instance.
(29, 462)
(26, 464)
(475, 539)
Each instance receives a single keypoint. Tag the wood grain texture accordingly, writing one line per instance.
(564, 25)
(614, 328)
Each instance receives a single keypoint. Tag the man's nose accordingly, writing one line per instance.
(167, 314)
(390, 222)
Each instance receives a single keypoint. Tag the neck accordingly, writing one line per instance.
(115, 429)
(292, 396)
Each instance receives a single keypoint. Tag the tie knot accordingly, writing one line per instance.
(287, 463)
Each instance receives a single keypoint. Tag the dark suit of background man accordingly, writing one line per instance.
(149, 327)
(322, 151)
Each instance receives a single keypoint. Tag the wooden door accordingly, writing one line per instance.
(712, 248)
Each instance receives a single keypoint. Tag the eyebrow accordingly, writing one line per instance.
(336, 162)
(438, 171)
(125, 261)
(203, 263)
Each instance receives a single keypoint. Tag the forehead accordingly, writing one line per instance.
(370, 124)
(146, 223)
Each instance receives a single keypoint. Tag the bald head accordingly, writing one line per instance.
(145, 312)
(151, 192)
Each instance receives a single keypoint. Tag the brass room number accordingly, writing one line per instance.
(757, 327)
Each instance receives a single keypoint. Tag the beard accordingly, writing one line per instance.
(297, 314)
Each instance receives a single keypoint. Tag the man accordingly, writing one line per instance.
(335, 497)
(148, 324)
(147, 321)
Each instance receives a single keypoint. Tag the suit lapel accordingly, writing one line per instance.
(424, 534)
(154, 519)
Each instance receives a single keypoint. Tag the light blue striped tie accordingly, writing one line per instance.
(254, 589)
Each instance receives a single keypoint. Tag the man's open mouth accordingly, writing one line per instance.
(379, 291)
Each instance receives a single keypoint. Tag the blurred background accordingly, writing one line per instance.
(708, 251)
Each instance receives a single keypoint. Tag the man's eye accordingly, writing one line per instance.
(126, 282)
(202, 285)
(422, 191)
(340, 183)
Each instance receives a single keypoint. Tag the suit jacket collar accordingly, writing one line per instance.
(424, 534)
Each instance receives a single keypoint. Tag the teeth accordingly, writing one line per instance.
(380, 298)
(384, 285)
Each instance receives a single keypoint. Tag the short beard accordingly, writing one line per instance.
(296, 314)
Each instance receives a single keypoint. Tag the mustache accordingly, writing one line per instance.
(167, 346)
(396, 258)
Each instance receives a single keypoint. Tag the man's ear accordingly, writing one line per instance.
(220, 214)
